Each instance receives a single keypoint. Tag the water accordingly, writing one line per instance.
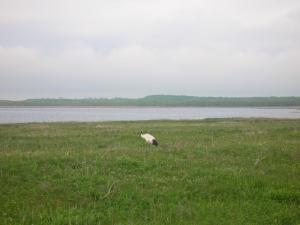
(64, 114)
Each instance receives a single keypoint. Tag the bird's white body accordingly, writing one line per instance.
(149, 139)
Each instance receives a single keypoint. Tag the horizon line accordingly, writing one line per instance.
(175, 95)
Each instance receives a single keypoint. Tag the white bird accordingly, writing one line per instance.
(149, 139)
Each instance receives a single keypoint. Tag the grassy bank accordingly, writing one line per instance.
(204, 172)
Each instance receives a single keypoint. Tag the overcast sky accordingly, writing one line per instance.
(132, 48)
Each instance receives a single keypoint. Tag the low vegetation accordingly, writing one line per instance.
(224, 171)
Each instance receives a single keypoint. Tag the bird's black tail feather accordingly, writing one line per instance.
(154, 142)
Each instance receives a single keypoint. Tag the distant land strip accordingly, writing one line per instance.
(162, 101)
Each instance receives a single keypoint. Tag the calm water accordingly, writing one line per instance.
(55, 114)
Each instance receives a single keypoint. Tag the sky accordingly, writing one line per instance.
(134, 48)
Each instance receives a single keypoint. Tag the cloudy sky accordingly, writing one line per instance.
(132, 48)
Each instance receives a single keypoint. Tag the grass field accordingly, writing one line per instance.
(225, 171)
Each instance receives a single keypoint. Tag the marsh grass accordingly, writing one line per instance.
(226, 171)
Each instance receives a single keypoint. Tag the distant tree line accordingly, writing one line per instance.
(162, 100)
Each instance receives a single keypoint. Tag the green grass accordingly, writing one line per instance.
(225, 171)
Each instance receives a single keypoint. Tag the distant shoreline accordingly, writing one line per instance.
(158, 101)
(121, 106)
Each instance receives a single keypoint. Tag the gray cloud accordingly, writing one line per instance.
(134, 48)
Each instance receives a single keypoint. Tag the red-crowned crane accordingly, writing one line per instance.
(149, 138)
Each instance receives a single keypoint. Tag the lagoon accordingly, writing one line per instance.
(89, 114)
